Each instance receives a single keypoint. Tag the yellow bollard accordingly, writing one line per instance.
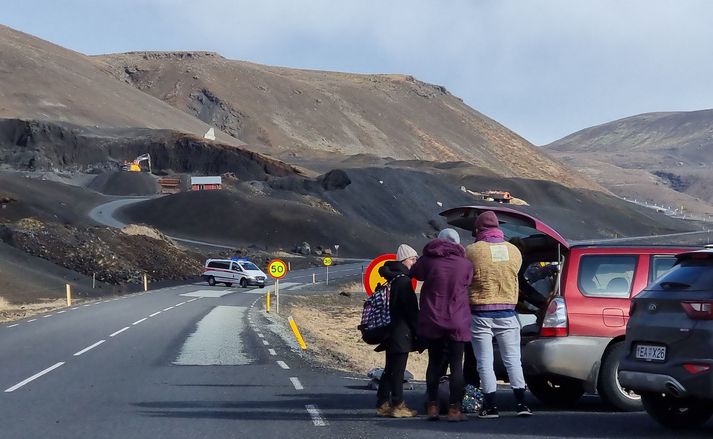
(146, 283)
(69, 295)
(296, 331)
(267, 302)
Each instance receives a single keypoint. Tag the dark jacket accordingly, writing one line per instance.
(404, 310)
(446, 275)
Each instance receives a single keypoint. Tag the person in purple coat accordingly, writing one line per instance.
(444, 318)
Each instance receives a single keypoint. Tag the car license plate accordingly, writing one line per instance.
(650, 353)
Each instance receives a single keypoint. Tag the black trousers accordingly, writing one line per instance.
(445, 351)
(470, 365)
(391, 384)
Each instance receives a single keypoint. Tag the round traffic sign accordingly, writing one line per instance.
(372, 278)
(277, 268)
(327, 261)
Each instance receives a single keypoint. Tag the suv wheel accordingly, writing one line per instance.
(211, 281)
(555, 391)
(676, 412)
(609, 388)
(244, 283)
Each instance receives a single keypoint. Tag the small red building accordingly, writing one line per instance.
(206, 183)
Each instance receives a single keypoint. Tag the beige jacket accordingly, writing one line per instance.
(495, 273)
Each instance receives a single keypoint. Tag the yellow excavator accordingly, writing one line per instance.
(135, 165)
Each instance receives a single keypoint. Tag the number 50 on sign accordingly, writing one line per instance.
(277, 268)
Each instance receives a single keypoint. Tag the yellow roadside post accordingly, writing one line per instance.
(296, 331)
(146, 282)
(69, 295)
(267, 302)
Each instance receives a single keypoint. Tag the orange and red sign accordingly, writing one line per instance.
(372, 278)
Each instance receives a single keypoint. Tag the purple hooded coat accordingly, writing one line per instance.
(446, 275)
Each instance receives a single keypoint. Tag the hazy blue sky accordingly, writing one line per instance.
(542, 68)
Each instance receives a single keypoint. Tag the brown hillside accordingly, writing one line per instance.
(666, 158)
(45, 82)
(294, 113)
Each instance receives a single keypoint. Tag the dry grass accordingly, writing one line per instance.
(328, 323)
(10, 312)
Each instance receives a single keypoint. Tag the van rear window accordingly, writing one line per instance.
(606, 275)
(218, 265)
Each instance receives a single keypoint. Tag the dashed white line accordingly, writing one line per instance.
(12, 326)
(179, 304)
(261, 335)
(48, 315)
(265, 342)
(272, 352)
(192, 300)
(155, 314)
(72, 309)
(88, 348)
(33, 377)
(31, 320)
(119, 331)
(139, 321)
(283, 365)
(166, 309)
(61, 312)
(316, 416)
(296, 383)
(88, 304)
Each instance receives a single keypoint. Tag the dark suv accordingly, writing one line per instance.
(668, 356)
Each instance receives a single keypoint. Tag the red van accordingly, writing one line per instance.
(573, 316)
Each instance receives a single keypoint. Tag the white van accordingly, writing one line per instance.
(230, 271)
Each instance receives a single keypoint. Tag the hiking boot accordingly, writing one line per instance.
(523, 410)
(455, 414)
(384, 409)
(401, 411)
(433, 411)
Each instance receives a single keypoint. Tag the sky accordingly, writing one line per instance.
(543, 68)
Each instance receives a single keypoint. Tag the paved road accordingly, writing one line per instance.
(205, 362)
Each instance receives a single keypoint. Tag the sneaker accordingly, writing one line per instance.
(401, 411)
(383, 410)
(523, 410)
(488, 413)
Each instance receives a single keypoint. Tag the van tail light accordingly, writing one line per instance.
(698, 310)
(555, 322)
(694, 369)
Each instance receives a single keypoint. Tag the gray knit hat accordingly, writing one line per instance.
(450, 235)
(405, 251)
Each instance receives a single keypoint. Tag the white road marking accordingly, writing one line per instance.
(272, 352)
(217, 340)
(316, 416)
(88, 348)
(261, 335)
(179, 304)
(32, 320)
(88, 304)
(138, 321)
(169, 308)
(155, 314)
(283, 365)
(12, 326)
(193, 300)
(208, 293)
(61, 312)
(33, 377)
(265, 342)
(48, 315)
(296, 383)
(119, 331)
(72, 309)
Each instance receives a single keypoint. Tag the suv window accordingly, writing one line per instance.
(249, 266)
(606, 275)
(219, 265)
(660, 264)
(690, 275)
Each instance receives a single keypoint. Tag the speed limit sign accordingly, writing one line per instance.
(277, 268)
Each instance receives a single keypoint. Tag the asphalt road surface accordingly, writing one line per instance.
(196, 361)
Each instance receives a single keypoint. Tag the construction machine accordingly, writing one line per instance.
(135, 165)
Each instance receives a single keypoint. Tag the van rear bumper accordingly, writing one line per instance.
(575, 357)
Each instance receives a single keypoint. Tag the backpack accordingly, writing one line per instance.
(376, 315)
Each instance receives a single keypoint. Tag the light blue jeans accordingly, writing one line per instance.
(506, 331)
